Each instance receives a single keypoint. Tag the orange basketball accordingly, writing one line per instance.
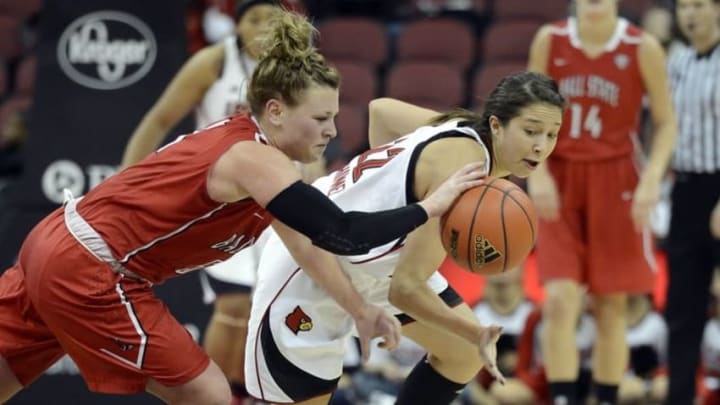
(490, 228)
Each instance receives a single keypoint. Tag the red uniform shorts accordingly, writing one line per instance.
(594, 242)
(59, 298)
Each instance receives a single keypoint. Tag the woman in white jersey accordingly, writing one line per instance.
(214, 83)
(297, 334)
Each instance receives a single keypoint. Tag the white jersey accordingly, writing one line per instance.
(229, 91)
(297, 333)
(381, 179)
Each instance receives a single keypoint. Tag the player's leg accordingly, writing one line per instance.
(117, 332)
(450, 364)
(9, 384)
(514, 392)
(230, 285)
(27, 347)
(560, 250)
(618, 261)
(209, 387)
(226, 334)
(561, 310)
(226, 331)
(610, 352)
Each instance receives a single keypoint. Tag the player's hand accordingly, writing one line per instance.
(715, 221)
(488, 352)
(469, 176)
(372, 321)
(544, 194)
(647, 195)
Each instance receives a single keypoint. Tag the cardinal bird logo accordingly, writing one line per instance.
(298, 321)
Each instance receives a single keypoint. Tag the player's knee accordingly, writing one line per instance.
(210, 387)
(210, 396)
(463, 359)
(561, 308)
(610, 308)
(235, 306)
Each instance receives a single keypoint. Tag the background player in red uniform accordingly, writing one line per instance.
(82, 283)
(593, 205)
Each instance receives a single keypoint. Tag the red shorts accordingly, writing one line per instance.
(59, 298)
(594, 242)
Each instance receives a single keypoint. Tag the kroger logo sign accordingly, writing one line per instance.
(107, 50)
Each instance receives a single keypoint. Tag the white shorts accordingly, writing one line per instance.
(297, 333)
(236, 274)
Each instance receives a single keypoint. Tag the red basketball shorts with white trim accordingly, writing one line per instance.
(594, 242)
(59, 299)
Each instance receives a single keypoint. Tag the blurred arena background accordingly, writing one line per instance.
(77, 76)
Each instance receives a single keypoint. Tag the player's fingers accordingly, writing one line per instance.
(392, 337)
(493, 370)
(364, 348)
(495, 332)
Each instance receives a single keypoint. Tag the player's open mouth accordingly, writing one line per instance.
(531, 163)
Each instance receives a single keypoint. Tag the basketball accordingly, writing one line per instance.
(490, 228)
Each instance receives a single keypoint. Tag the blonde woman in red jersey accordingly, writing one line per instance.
(82, 283)
(593, 204)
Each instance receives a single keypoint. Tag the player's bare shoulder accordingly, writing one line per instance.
(442, 157)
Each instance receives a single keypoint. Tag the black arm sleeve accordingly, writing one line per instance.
(308, 211)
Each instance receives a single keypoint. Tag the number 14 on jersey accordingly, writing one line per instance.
(585, 120)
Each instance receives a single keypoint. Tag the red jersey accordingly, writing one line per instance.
(157, 217)
(604, 93)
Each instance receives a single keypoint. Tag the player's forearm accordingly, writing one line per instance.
(324, 269)
(661, 150)
(422, 303)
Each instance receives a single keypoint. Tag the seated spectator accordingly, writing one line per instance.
(645, 381)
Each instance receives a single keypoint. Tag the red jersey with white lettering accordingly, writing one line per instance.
(604, 93)
(157, 217)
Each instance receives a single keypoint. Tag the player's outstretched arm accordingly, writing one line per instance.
(182, 94)
(271, 179)
(390, 119)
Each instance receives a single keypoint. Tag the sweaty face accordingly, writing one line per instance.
(527, 140)
(252, 24)
(307, 127)
(697, 19)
